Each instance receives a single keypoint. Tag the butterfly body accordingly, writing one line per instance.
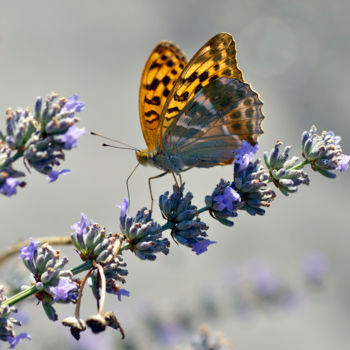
(196, 114)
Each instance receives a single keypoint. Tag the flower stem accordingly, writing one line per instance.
(80, 295)
(167, 226)
(103, 288)
(203, 210)
(301, 165)
(53, 240)
(20, 296)
(81, 268)
(125, 247)
(11, 160)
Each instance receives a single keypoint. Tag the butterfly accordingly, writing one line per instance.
(196, 113)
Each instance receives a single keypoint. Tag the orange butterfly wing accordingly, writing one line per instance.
(215, 59)
(162, 69)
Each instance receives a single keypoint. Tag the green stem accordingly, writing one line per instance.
(167, 226)
(33, 289)
(203, 210)
(301, 165)
(81, 268)
(125, 247)
(20, 296)
(11, 160)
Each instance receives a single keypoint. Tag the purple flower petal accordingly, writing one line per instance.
(28, 251)
(13, 341)
(225, 201)
(314, 267)
(9, 187)
(73, 104)
(336, 139)
(121, 292)
(124, 205)
(265, 281)
(70, 138)
(201, 246)
(61, 291)
(245, 154)
(343, 163)
(79, 227)
(53, 175)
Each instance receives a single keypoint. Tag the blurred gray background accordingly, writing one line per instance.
(294, 53)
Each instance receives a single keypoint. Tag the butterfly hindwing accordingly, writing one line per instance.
(214, 123)
(162, 68)
(215, 59)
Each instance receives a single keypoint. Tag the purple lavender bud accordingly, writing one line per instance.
(284, 174)
(251, 184)
(143, 234)
(182, 217)
(245, 154)
(63, 291)
(324, 152)
(8, 323)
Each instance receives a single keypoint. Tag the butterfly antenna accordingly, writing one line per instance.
(118, 147)
(114, 140)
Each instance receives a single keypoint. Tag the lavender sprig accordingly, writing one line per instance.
(40, 139)
(101, 252)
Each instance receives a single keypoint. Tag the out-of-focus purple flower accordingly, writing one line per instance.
(27, 252)
(343, 163)
(9, 187)
(225, 201)
(245, 154)
(121, 292)
(53, 175)
(62, 291)
(13, 341)
(202, 246)
(73, 104)
(264, 281)
(169, 334)
(324, 152)
(79, 227)
(314, 268)
(124, 205)
(70, 137)
(8, 323)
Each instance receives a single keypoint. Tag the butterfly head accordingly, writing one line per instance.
(143, 157)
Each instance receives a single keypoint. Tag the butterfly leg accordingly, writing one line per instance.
(150, 187)
(180, 179)
(127, 182)
(174, 176)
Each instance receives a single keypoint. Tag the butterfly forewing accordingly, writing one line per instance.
(215, 59)
(162, 68)
(214, 123)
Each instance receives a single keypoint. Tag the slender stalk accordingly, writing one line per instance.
(103, 288)
(81, 268)
(12, 159)
(167, 226)
(301, 165)
(203, 209)
(13, 250)
(80, 295)
(20, 296)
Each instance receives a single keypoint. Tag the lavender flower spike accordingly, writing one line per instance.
(324, 152)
